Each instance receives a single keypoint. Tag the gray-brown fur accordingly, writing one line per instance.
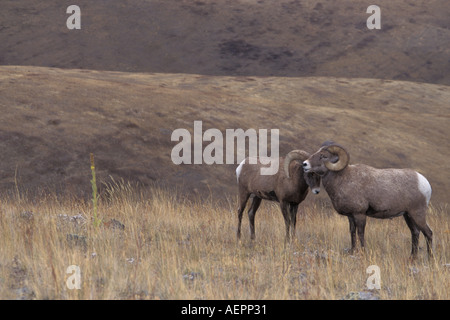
(289, 192)
(359, 191)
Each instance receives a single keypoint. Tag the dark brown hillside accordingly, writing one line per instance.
(216, 37)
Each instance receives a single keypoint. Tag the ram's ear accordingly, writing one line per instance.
(334, 158)
(339, 158)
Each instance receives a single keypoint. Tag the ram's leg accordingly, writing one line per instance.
(352, 225)
(243, 197)
(251, 215)
(419, 219)
(287, 219)
(415, 233)
(293, 207)
(360, 221)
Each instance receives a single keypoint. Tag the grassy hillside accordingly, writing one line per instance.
(140, 69)
(53, 118)
(152, 246)
(245, 37)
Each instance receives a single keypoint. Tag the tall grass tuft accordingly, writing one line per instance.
(97, 221)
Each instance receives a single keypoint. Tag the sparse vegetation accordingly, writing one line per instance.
(97, 220)
(175, 248)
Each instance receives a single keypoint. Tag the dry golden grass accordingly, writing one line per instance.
(187, 249)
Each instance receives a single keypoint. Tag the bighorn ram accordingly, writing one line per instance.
(359, 191)
(289, 190)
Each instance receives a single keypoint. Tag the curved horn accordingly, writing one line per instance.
(343, 158)
(294, 155)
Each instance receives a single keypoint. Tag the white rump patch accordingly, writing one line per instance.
(238, 170)
(424, 186)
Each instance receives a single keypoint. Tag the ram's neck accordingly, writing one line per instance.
(332, 180)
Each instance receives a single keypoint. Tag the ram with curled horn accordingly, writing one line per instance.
(288, 189)
(359, 191)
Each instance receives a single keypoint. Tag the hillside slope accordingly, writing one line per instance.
(53, 118)
(245, 37)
